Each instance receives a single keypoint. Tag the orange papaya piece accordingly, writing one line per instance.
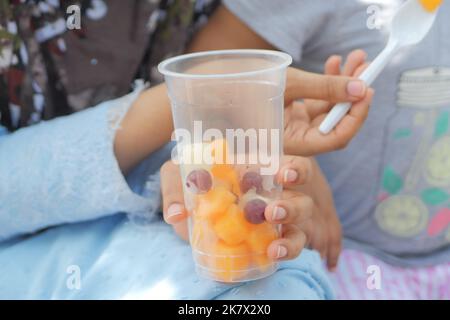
(232, 227)
(260, 237)
(202, 236)
(227, 174)
(214, 203)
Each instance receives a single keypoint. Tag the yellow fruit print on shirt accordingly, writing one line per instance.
(402, 216)
(438, 163)
(419, 119)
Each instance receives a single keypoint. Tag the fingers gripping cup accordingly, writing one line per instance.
(228, 114)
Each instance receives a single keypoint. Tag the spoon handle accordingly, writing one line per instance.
(368, 76)
(374, 69)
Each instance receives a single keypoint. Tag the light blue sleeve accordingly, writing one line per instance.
(64, 171)
(3, 131)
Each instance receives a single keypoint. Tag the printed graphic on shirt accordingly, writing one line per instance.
(417, 201)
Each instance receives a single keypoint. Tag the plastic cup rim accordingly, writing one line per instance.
(286, 61)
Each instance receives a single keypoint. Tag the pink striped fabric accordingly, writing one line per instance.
(396, 283)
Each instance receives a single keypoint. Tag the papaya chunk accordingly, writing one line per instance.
(232, 227)
(260, 237)
(227, 174)
(214, 203)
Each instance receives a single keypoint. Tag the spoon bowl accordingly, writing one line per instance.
(411, 23)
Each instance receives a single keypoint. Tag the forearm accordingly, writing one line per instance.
(147, 126)
(225, 31)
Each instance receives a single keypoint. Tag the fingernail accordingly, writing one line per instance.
(333, 269)
(337, 57)
(279, 213)
(356, 88)
(281, 252)
(290, 176)
(175, 209)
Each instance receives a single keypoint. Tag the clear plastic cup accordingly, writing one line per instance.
(228, 114)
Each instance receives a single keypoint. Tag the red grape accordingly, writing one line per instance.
(254, 211)
(251, 180)
(199, 181)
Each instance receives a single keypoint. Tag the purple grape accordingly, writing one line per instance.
(254, 211)
(199, 181)
(251, 180)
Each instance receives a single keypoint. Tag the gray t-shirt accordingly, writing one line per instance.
(392, 183)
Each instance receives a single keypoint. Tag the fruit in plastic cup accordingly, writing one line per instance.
(223, 90)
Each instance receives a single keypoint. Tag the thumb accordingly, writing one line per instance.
(172, 194)
(306, 85)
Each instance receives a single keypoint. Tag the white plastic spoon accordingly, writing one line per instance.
(410, 25)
